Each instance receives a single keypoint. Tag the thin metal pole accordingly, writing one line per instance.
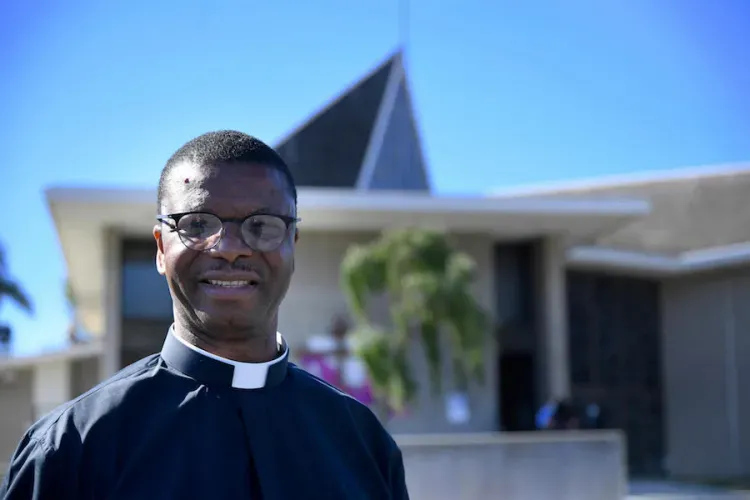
(403, 24)
(403, 35)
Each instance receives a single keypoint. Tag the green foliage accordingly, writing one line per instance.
(70, 298)
(10, 289)
(428, 287)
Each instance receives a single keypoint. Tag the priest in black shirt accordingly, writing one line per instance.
(219, 413)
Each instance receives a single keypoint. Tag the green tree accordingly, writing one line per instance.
(427, 285)
(10, 289)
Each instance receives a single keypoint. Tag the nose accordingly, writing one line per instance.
(231, 245)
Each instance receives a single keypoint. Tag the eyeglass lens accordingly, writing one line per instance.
(262, 232)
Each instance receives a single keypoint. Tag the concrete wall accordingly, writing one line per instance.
(29, 392)
(518, 466)
(51, 385)
(706, 322)
(16, 408)
(84, 375)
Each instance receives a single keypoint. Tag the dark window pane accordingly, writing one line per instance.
(144, 292)
(141, 338)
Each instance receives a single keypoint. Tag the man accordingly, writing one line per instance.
(560, 414)
(219, 413)
(545, 415)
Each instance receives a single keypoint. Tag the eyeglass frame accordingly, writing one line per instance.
(172, 220)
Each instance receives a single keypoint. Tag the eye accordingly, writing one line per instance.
(265, 227)
(196, 225)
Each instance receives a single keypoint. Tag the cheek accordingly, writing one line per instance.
(177, 263)
(282, 261)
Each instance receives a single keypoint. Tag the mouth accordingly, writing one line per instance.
(229, 289)
(231, 283)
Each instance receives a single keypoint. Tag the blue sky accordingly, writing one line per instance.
(507, 93)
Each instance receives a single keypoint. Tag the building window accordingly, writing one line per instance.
(145, 294)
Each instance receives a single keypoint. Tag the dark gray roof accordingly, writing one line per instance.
(327, 151)
(689, 212)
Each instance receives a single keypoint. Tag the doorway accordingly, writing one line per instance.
(517, 391)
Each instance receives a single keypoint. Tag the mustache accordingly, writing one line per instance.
(238, 266)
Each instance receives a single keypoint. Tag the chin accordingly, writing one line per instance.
(227, 321)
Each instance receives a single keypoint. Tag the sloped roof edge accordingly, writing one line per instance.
(341, 95)
(625, 180)
(662, 265)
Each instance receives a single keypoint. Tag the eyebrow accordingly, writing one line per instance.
(257, 211)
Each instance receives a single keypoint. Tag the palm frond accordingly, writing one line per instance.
(13, 291)
(70, 297)
(363, 273)
(428, 284)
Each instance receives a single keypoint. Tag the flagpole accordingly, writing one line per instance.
(403, 24)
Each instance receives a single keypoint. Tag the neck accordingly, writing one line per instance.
(253, 348)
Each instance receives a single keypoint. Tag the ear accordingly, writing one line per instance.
(160, 265)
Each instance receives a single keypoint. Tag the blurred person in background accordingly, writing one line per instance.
(558, 415)
(566, 416)
(545, 414)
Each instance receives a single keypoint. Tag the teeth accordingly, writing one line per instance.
(229, 283)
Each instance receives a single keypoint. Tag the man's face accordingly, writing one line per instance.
(229, 191)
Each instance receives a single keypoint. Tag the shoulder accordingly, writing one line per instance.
(71, 421)
(38, 470)
(351, 422)
(318, 388)
(325, 397)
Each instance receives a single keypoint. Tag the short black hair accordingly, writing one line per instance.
(225, 146)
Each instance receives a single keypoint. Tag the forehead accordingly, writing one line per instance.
(226, 188)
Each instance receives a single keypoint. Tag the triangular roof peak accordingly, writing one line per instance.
(388, 63)
(328, 149)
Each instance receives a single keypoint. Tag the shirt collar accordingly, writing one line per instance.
(210, 368)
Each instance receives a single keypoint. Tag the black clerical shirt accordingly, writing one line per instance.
(184, 424)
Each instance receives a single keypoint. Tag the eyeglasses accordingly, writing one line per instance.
(202, 231)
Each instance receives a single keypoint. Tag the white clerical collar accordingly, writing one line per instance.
(203, 365)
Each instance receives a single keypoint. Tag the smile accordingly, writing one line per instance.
(230, 289)
(232, 284)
